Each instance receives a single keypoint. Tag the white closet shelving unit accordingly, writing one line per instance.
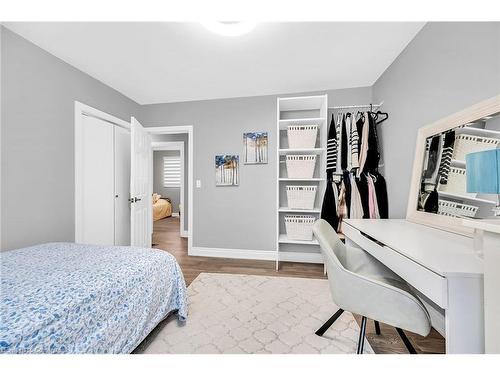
(304, 110)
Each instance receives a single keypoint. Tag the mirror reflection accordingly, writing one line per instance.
(443, 187)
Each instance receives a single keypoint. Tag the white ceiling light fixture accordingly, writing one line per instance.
(235, 28)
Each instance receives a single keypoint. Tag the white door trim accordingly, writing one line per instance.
(174, 146)
(80, 111)
(183, 129)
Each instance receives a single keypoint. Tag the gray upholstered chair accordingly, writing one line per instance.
(359, 283)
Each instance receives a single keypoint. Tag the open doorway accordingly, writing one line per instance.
(168, 188)
(172, 188)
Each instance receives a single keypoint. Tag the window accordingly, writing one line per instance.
(171, 171)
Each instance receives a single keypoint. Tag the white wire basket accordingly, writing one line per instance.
(455, 209)
(302, 136)
(299, 227)
(457, 183)
(301, 197)
(300, 166)
(465, 144)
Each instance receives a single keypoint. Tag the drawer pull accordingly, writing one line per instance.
(373, 239)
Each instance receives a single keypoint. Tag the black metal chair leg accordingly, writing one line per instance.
(361, 341)
(406, 341)
(377, 327)
(329, 322)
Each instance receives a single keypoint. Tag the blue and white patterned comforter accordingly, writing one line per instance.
(71, 298)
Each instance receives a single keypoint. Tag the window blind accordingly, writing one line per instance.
(171, 171)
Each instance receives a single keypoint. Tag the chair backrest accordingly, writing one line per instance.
(331, 246)
(335, 255)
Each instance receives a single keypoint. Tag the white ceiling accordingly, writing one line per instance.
(172, 62)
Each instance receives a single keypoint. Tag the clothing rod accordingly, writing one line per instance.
(357, 106)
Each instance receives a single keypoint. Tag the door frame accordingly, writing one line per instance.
(80, 111)
(175, 146)
(182, 129)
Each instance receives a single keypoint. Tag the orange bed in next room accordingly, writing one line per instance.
(162, 207)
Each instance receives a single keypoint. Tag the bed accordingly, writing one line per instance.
(71, 298)
(162, 207)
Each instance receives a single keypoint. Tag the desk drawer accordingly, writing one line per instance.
(427, 282)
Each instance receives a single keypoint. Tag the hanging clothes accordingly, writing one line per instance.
(363, 150)
(434, 151)
(329, 207)
(336, 193)
(331, 150)
(372, 199)
(342, 207)
(348, 126)
(432, 202)
(381, 192)
(343, 150)
(444, 167)
(353, 158)
(372, 154)
(363, 193)
(356, 211)
(338, 127)
(354, 143)
(347, 186)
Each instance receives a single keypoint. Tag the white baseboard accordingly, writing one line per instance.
(233, 253)
(301, 257)
(175, 214)
(185, 234)
(256, 254)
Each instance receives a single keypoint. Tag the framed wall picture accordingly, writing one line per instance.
(227, 170)
(255, 148)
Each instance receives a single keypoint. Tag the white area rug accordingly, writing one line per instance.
(256, 314)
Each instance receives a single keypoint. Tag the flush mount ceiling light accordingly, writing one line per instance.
(229, 28)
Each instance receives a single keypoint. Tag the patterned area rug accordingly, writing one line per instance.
(256, 314)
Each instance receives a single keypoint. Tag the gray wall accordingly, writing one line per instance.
(241, 217)
(174, 193)
(37, 163)
(447, 67)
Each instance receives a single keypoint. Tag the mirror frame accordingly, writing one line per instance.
(470, 114)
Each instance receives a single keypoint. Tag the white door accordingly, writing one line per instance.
(140, 186)
(95, 193)
(122, 186)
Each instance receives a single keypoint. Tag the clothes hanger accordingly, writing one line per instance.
(382, 114)
(359, 115)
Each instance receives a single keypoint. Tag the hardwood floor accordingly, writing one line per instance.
(166, 237)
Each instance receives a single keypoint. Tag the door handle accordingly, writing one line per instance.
(134, 199)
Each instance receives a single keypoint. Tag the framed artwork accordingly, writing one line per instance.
(227, 170)
(255, 148)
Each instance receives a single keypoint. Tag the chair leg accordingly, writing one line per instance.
(377, 327)
(329, 322)
(406, 341)
(361, 341)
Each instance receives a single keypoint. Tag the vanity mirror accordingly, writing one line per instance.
(439, 195)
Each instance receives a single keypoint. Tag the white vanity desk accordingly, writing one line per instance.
(440, 265)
